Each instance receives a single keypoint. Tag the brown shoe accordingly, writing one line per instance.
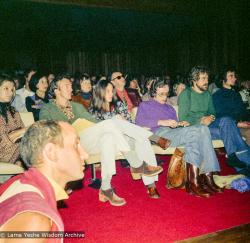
(209, 181)
(160, 141)
(163, 143)
(153, 193)
(109, 195)
(193, 185)
(204, 186)
(146, 170)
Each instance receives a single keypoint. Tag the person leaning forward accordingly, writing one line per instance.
(52, 152)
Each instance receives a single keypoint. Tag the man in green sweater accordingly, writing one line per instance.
(196, 107)
(104, 137)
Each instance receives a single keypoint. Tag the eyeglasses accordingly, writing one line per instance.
(163, 94)
(119, 77)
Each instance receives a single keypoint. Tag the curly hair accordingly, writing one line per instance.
(195, 72)
(155, 85)
(54, 84)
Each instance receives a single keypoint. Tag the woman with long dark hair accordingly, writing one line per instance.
(11, 125)
(105, 106)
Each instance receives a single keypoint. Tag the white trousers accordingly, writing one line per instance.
(111, 137)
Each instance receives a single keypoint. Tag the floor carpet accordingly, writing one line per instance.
(175, 216)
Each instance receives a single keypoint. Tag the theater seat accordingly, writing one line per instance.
(27, 118)
(7, 170)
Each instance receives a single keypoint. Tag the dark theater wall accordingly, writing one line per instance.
(153, 37)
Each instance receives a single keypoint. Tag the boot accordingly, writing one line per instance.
(204, 186)
(209, 181)
(109, 195)
(192, 185)
(146, 170)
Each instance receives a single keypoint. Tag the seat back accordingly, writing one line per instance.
(27, 118)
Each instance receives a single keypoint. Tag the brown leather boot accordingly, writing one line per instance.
(193, 186)
(146, 170)
(204, 186)
(209, 181)
(109, 195)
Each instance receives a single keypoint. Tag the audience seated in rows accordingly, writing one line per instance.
(61, 109)
(200, 157)
(105, 138)
(196, 107)
(105, 106)
(121, 108)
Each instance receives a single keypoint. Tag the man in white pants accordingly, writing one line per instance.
(107, 138)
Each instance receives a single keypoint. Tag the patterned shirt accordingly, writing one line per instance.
(9, 151)
(120, 109)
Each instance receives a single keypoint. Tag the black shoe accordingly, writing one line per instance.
(233, 161)
(245, 171)
(61, 204)
(74, 185)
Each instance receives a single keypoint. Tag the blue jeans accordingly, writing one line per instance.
(225, 128)
(197, 144)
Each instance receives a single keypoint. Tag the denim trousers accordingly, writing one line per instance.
(225, 128)
(197, 144)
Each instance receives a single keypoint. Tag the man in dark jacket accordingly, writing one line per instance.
(228, 102)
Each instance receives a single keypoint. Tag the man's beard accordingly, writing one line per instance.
(202, 87)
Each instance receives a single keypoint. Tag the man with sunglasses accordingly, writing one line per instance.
(128, 96)
(131, 99)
